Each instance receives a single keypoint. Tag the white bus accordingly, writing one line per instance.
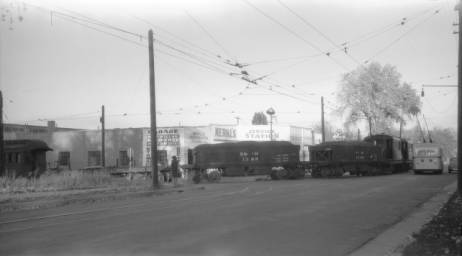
(428, 157)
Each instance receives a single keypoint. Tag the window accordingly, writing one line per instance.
(64, 158)
(124, 160)
(162, 158)
(10, 157)
(94, 158)
(18, 158)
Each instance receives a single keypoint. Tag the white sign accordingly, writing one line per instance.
(263, 133)
(224, 133)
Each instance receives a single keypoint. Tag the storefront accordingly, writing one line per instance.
(77, 149)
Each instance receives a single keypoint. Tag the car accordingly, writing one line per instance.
(453, 165)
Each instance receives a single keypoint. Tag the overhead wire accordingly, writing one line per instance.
(306, 22)
(82, 21)
(178, 39)
(208, 34)
(295, 34)
(203, 64)
(401, 36)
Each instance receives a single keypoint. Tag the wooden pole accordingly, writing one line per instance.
(459, 105)
(103, 147)
(322, 120)
(2, 149)
(152, 86)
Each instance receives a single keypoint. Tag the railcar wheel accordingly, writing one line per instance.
(196, 178)
(325, 172)
(316, 172)
(274, 175)
(299, 173)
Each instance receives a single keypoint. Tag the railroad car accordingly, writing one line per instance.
(25, 158)
(395, 152)
(333, 159)
(377, 154)
(280, 159)
(428, 157)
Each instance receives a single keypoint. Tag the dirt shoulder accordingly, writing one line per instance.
(442, 235)
(42, 200)
(27, 200)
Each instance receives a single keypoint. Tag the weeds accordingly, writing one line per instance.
(68, 180)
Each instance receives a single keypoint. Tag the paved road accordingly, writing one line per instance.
(297, 217)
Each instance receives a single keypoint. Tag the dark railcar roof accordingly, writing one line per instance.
(26, 144)
(343, 143)
(370, 137)
(244, 144)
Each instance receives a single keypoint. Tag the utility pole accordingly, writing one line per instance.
(322, 120)
(152, 94)
(313, 141)
(2, 150)
(271, 112)
(459, 105)
(103, 147)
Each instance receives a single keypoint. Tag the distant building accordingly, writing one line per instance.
(76, 148)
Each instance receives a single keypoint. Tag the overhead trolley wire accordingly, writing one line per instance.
(294, 33)
(179, 39)
(306, 22)
(401, 36)
(208, 34)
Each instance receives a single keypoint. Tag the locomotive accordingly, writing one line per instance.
(377, 154)
(280, 159)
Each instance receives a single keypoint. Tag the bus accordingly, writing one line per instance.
(428, 157)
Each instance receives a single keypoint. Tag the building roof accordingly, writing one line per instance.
(26, 144)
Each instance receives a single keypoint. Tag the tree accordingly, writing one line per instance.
(329, 130)
(259, 118)
(374, 93)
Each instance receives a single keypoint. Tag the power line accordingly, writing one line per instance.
(179, 39)
(88, 20)
(283, 59)
(95, 22)
(400, 37)
(208, 34)
(385, 29)
(344, 49)
(191, 55)
(294, 33)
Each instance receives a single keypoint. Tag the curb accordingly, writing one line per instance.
(392, 241)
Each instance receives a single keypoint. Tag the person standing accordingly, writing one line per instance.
(175, 170)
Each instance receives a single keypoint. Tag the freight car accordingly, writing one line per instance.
(377, 154)
(280, 159)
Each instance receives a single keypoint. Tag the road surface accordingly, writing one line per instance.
(292, 217)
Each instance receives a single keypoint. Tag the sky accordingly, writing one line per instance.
(63, 60)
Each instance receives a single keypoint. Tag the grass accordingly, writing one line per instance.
(442, 235)
(68, 180)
